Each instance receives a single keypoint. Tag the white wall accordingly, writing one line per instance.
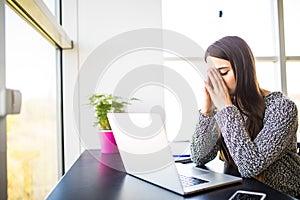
(91, 24)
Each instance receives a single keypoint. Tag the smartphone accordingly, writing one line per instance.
(247, 195)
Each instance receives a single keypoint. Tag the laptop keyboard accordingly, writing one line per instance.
(190, 181)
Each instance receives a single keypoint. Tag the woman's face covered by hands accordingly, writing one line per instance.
(221, 82)
(225, 69)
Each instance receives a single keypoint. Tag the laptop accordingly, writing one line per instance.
(147, 155)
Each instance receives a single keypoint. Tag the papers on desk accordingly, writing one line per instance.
(181, 151)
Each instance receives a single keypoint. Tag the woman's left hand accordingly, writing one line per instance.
(217, 89)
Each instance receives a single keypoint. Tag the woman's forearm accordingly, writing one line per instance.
(204, 141)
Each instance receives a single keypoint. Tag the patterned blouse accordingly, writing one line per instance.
(272, 152)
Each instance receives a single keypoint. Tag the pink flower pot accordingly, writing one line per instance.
(108, 142)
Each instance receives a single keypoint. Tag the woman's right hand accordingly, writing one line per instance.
(208, 106)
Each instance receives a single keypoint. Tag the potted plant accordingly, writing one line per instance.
(102, 104)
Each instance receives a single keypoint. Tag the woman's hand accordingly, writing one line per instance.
(208, 106)
(217, 89)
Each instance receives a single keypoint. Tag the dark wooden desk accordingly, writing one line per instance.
(91, 178)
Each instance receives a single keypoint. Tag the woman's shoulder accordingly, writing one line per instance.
(277, 96)
(277, 100)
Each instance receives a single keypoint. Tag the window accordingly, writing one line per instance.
(201, 21)
(32, 156)
(292, 41)
(291, 18)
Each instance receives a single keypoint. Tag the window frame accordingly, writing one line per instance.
(49, 26)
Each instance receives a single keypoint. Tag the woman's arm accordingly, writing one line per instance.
(204, 141)
(252, 157)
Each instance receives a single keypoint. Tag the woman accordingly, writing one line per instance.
(253, 129)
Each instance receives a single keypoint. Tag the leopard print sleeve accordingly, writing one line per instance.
(204, 146)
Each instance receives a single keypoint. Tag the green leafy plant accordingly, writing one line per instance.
(104, 103)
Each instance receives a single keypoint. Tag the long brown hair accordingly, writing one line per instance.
(248, 96)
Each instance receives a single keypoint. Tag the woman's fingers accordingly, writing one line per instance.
(214, 80)
(217, 81)
(217, 88)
